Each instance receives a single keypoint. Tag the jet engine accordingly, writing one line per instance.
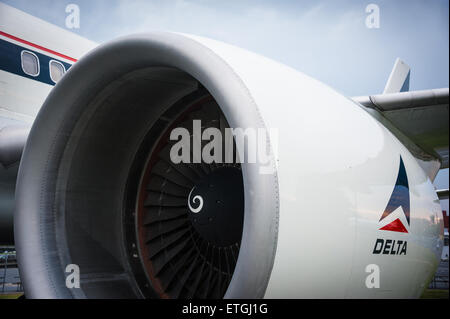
(321, 215)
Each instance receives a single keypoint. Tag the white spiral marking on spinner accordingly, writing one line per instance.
(196, 199)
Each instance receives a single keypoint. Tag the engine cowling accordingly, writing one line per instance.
(96, 187)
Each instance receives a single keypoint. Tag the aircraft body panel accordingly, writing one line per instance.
(333, 193)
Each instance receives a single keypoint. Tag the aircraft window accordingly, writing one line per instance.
(30, 63)
(57, 70)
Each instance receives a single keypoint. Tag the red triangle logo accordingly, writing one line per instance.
(396, 225)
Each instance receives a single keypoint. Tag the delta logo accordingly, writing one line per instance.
(399, 199)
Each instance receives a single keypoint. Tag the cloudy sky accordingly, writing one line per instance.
(326, 39)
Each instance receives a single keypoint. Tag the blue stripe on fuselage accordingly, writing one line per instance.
(10, 61)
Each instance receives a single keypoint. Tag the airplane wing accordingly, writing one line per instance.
(420, 115)
(442, 193)
(418, 118)
(399, 78)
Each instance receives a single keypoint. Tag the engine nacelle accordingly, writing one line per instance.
(339, 196)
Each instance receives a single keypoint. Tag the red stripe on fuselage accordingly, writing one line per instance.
(37, 46)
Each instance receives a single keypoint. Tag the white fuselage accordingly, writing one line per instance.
(21, 94)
